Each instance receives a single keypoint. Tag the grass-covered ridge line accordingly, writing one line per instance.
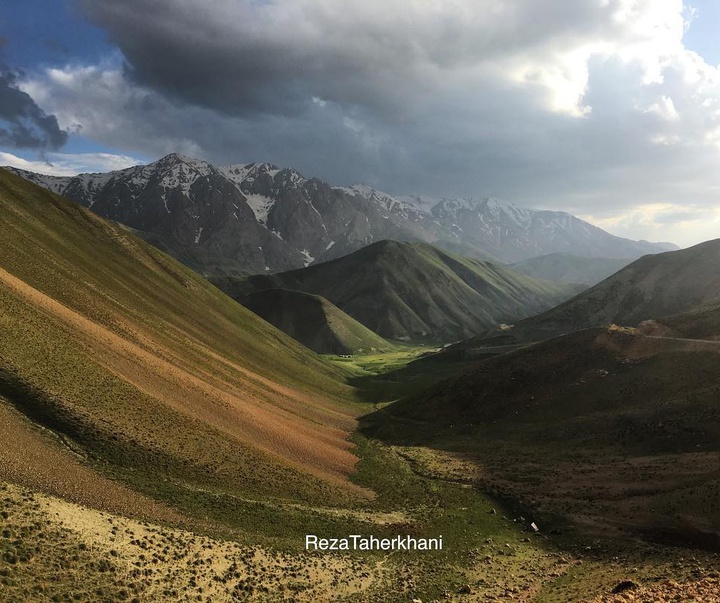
(98, 268)
(414, 292)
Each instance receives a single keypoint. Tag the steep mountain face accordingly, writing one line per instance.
(416, 292)
(568, 268)
(318, 220)
(652, 287)
(188, 208)
(256, 218)
(511, 233)
(314, 321)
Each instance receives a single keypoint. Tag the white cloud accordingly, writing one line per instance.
(100, 103)
(683, 224)
(664, 108)
(70, 164)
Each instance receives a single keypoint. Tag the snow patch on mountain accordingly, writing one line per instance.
(56, 184)
(307, 258)
(236, 173)
(261, 207)
(164, 200)
(248, 172)
(423, 204)
(180, 176)
(389, 204)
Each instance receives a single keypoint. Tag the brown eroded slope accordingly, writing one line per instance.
(224, 405)
(142, 362)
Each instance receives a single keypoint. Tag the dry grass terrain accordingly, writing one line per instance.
(54, 550)
(706, 590)
(37, 459)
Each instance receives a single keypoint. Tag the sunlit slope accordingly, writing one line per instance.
(145, 365)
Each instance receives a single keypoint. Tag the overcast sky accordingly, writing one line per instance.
(609, 109)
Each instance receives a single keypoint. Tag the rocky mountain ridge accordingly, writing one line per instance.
(257, 218)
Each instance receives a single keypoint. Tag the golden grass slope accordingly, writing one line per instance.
(53, 550)
(142, 362)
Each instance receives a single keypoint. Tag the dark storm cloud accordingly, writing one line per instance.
(243, 56)
(24, 125)
(594, 106)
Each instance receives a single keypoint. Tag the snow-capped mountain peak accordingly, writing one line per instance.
(249, 217)
(240, 172)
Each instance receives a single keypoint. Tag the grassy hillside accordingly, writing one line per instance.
(568, 268)
(130, 387)
(652, 287)
(699, 323)
(149, 371)
(415, 292)
(314, 321)
(614, 432)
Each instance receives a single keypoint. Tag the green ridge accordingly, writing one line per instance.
(414, 292)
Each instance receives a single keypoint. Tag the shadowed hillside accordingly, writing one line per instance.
(654, 286)
(415, 292)
(567, 268)
(314, 322)
(699, 323)
(613, 431)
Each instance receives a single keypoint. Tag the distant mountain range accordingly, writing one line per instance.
(255, 218)
(413, 292)
(567, 268)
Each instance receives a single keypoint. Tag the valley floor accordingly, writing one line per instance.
(54, 550)
(175, 542)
